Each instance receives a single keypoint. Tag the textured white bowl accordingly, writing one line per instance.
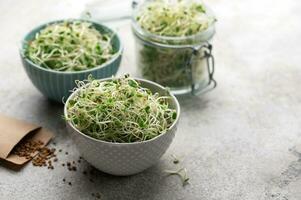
(125, 158)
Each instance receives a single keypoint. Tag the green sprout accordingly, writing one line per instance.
(70, 46)
(181, 21)
(119, 110)
(174, 18)
(168, 66)
(182, 173)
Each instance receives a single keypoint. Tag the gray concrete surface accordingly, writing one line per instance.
(240, 142)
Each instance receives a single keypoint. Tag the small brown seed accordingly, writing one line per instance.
(97, 195)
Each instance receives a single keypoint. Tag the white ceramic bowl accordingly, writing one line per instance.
(125, 158)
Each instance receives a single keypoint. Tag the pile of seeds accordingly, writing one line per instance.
(27, 148)
(71, 166)
(46, 157)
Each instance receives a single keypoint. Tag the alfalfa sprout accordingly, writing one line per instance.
(70, 46)
(174, 18)
(119, 110)
(167, 33)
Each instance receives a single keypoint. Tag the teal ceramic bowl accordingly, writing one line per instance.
(57, 85)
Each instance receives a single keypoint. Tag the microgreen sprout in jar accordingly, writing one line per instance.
(174, 18)
(119, 110)
(171, 36)
(70, 46)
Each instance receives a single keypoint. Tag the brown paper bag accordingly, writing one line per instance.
(12, 131)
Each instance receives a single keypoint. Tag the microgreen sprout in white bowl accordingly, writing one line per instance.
(121, 125)
(119, 110)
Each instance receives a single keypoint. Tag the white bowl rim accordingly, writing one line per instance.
(103, 65)
(126, 143)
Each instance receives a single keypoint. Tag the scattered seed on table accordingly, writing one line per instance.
(97, 195)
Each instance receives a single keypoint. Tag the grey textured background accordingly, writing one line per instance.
(239, 142)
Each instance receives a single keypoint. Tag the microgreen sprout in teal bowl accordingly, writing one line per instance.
(58, 53)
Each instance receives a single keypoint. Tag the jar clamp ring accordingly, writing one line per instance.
(210, 68)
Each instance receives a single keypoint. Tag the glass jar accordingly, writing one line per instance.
(184, 64)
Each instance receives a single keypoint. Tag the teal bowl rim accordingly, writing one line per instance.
(37, 28)
(173, 126)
